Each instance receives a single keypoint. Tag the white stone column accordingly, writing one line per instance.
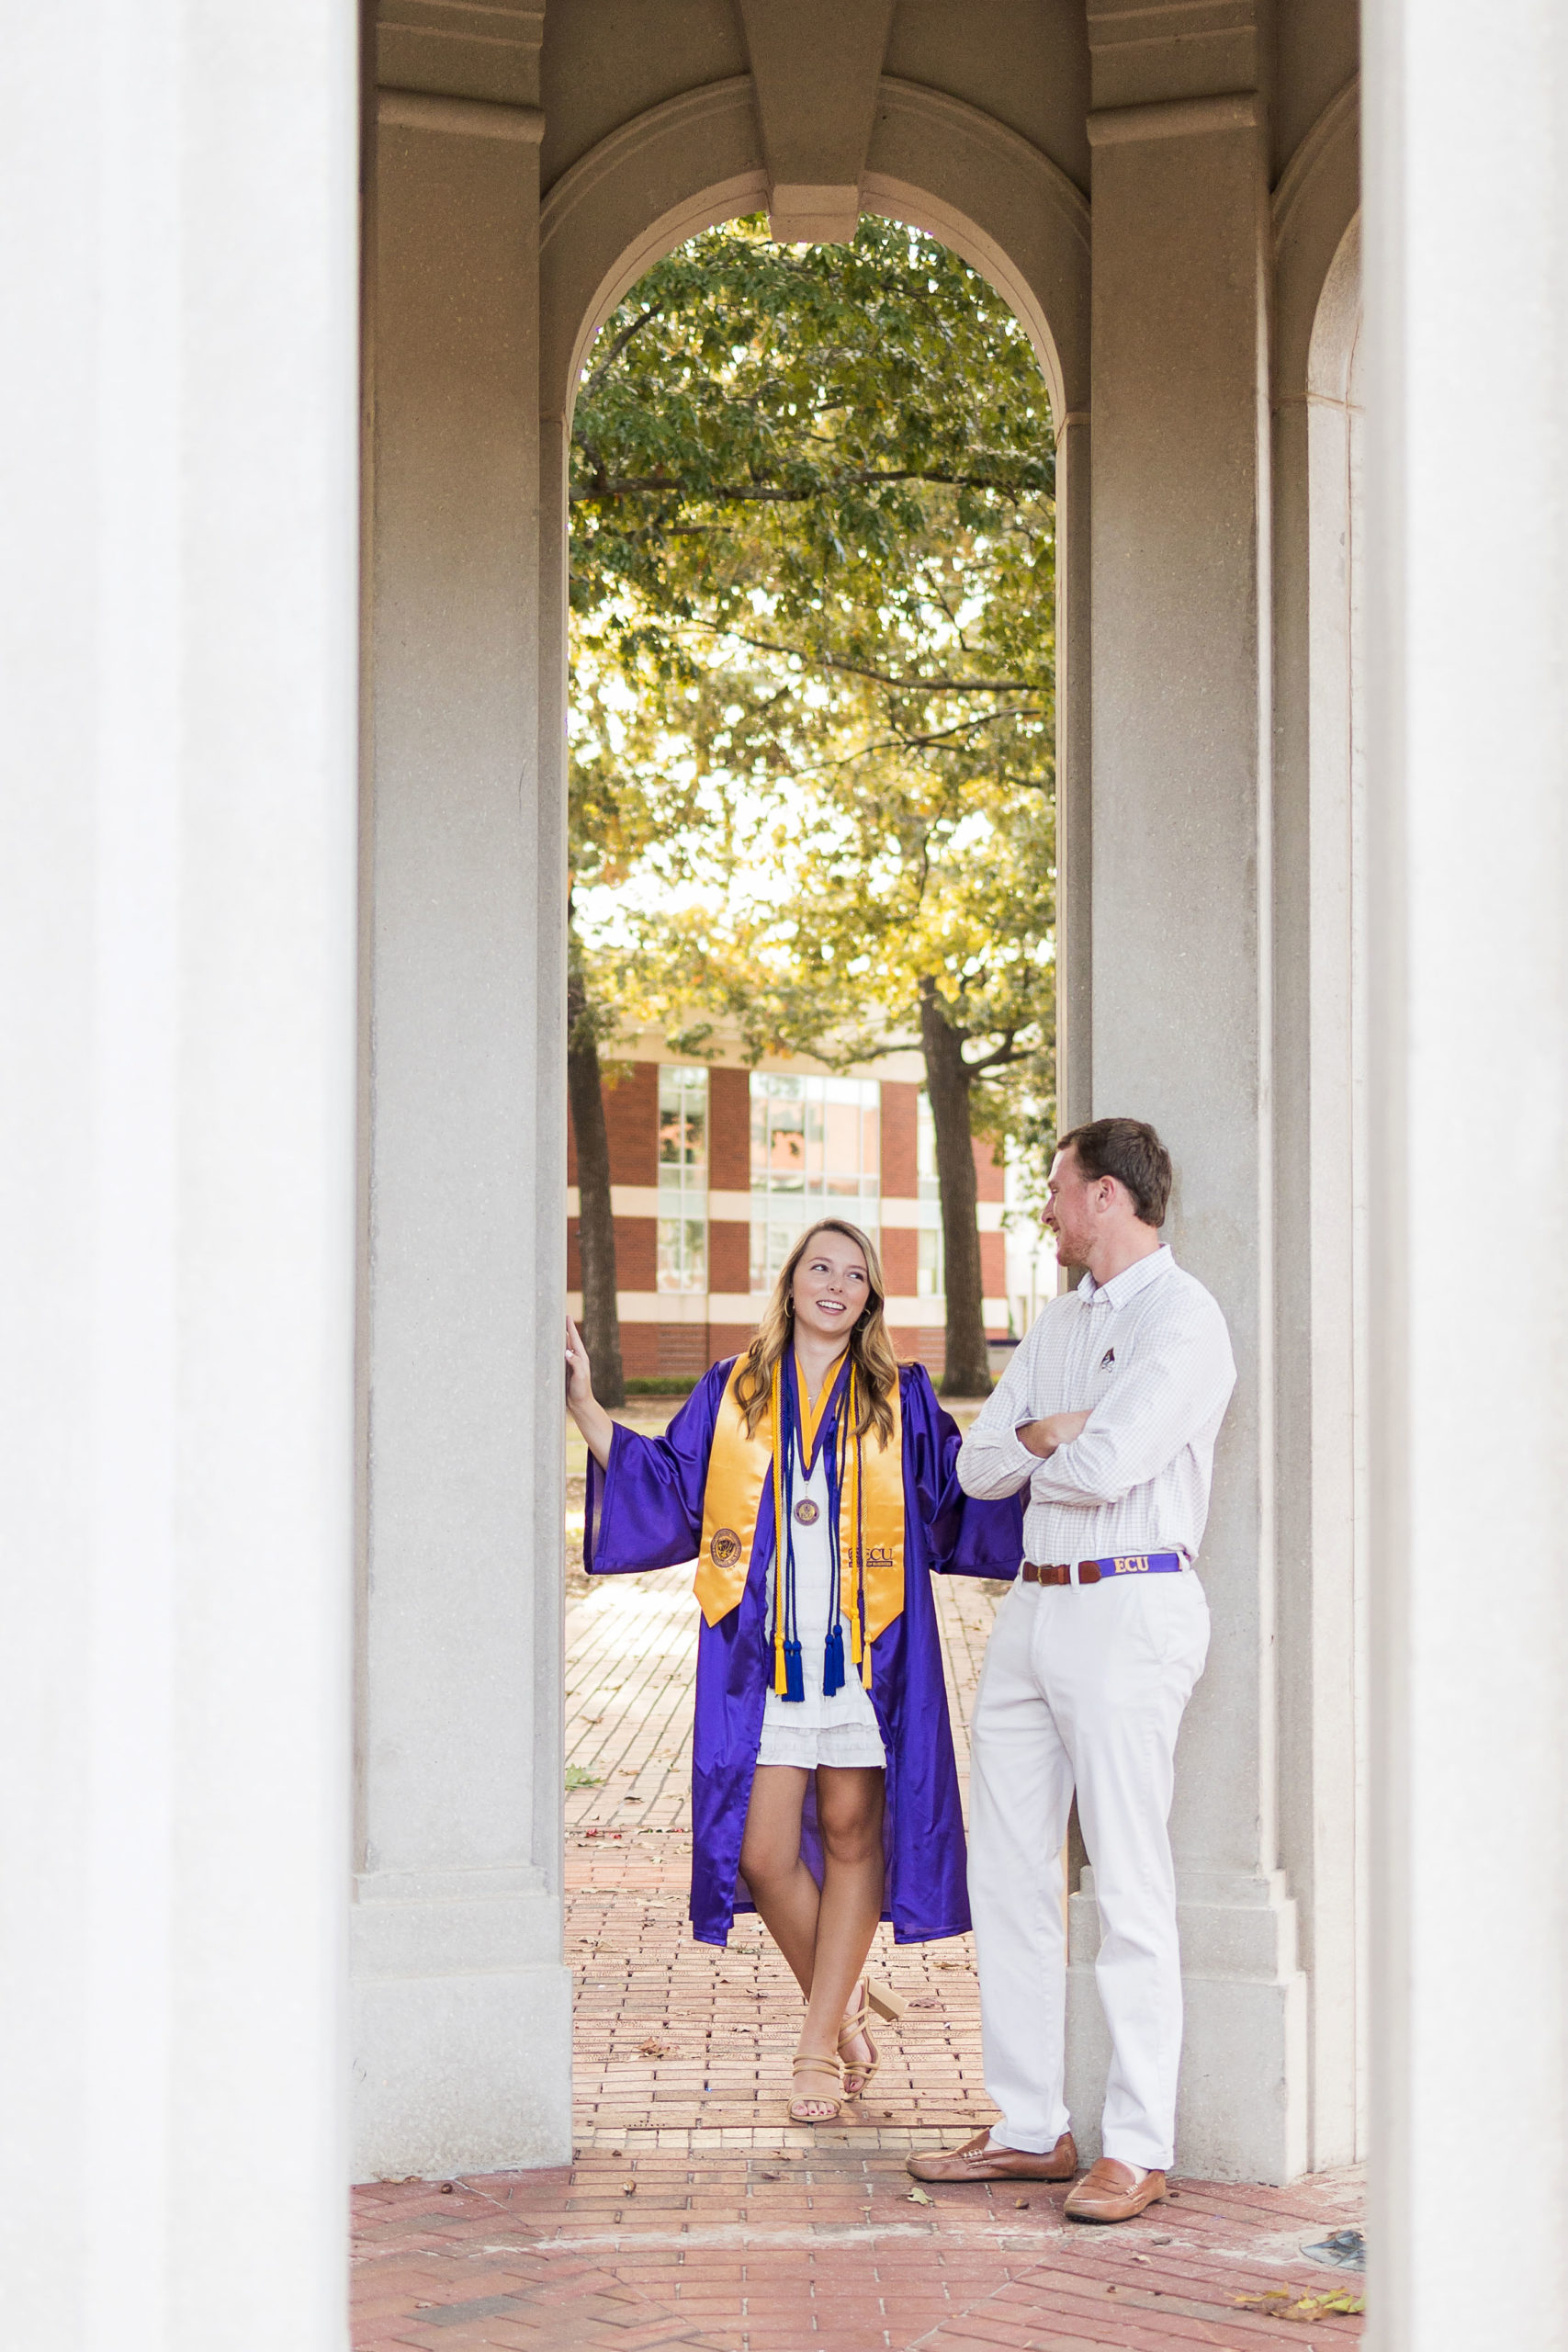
(1075, 791)
(1319, 1095)
(176, 958)
(1181, 1018)
(462, 2000)
(1466, 256)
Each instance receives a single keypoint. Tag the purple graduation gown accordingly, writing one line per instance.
(645, 1510)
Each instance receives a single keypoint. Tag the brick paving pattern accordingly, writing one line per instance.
(695, 2213)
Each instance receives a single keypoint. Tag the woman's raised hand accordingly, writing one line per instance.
(579, 1372)
(597, 1428)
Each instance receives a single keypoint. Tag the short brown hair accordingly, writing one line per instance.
(1130, 1150)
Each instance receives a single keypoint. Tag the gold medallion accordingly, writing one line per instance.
(806, 1510)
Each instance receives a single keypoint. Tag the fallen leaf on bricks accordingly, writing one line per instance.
(1021, 2203)
(925, 2001)
(628, 2189)
(919, 2197)
(1310, 2307)
(653, 2048)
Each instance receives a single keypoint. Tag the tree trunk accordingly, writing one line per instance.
(947, 1086)
(596, 1216)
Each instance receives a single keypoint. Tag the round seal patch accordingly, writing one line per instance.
(806, 1510)
(724, 1547)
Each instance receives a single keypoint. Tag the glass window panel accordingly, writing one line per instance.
(928, 1275)
(842, 1123)
(683, 1253)
(682, 1128)
(682, 1176)
(925, 1148)
(786, 1147)
(816, 1136)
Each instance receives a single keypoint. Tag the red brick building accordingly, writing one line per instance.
(716, 1169)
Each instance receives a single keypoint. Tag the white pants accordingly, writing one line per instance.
(1082, 1686)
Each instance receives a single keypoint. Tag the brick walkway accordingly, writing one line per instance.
(695, 2213)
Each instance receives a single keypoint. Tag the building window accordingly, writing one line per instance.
(931, 1270)
(815, 1149)
(925, 1147)
(683, 1177)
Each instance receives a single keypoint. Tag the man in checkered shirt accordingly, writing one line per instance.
(1107, 1414)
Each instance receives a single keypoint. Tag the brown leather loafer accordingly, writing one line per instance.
(1112, 2192)
(975, 2161)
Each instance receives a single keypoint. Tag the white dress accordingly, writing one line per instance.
(814, 1730)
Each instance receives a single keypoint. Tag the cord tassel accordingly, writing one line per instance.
(789, 1673)
(833, 1660)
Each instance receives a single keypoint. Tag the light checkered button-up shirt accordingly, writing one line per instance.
(1148, 1357)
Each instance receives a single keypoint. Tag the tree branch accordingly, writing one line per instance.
(879, 677)
(740, 494)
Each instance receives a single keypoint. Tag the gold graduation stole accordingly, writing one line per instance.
(871, 1511)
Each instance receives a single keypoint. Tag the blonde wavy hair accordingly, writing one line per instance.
(871, 1350)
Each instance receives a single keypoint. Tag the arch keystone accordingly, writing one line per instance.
(815, 67)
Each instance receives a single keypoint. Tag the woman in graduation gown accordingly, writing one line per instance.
(813, 1479)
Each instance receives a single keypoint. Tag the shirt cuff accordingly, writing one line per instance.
(1020, 1458)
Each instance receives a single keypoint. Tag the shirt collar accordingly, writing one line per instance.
(1130, 1281)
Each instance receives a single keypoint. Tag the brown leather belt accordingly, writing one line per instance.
(1131, 1563)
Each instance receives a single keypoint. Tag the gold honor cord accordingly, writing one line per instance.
(812, 1416)
(775, 1428)
(851, 1544)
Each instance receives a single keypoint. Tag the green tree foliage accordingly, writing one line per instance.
(813, 548)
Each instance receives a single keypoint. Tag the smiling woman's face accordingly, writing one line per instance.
(831, 1285)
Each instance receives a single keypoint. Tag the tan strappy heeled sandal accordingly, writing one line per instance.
(821, 2065)
(887, 2004)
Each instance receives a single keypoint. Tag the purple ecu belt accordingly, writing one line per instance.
(1130, 1564)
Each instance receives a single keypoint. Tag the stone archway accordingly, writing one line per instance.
(482, 299)
(943, 166)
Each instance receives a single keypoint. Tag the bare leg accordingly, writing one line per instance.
(780, 1886)
(849, 1811)
(824, 1937)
